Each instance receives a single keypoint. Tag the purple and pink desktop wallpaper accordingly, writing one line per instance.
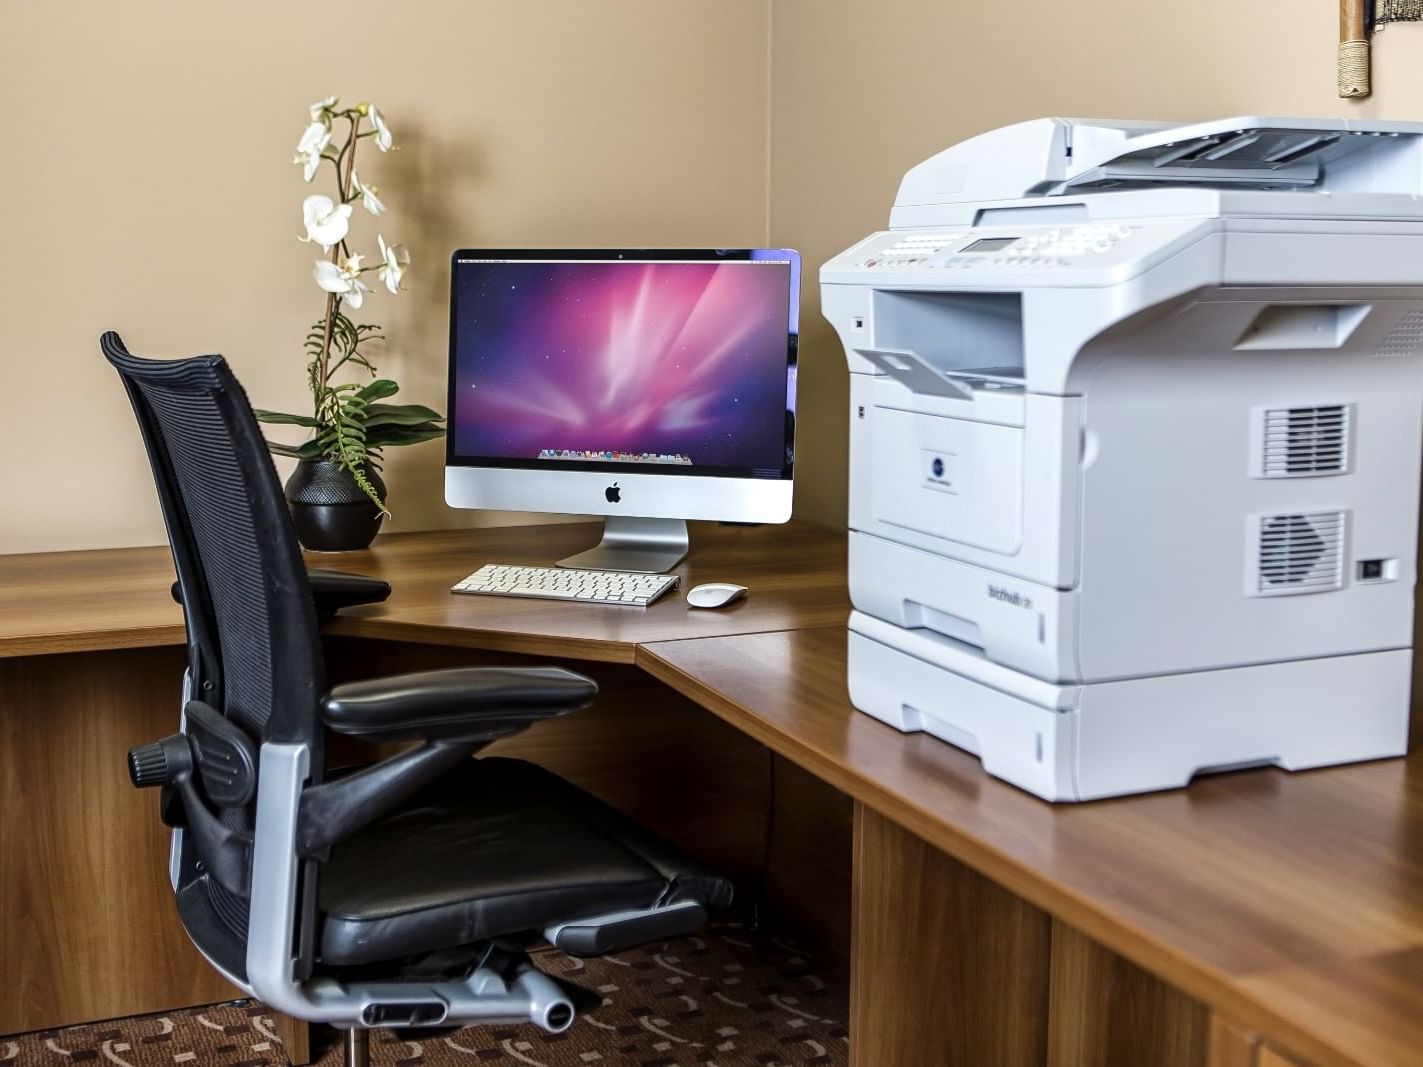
(682, 361)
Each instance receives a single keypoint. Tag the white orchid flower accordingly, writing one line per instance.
(328, 275)
(314, 140)
(319, 109)
(397, 258)
(368, 195)
(327, 222)
(357, 295)
(343, 279)
(309, 161)
(384, 140)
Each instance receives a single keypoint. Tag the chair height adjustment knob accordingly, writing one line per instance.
(159, 763)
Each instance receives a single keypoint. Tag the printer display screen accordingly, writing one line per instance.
(990, 244)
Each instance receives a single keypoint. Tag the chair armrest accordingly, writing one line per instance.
(466, 703)
(334, 590)
(454, 712)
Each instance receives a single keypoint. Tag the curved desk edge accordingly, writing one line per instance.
(824, 735)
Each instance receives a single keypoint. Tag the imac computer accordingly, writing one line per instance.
(650, 386)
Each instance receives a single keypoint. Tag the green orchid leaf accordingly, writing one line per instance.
(282, 418)
(305, 450)
(400, 415)
(378, 389)
(392, 436)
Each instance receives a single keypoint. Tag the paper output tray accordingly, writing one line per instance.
(921, 376)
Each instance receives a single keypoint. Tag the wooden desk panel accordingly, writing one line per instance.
(118, 598)
(1293, 902)
(795, 573)
(88, 927)
(87, 601)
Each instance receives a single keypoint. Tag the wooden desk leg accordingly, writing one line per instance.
(296, 1038)
(947, 968)
(1105, 1011)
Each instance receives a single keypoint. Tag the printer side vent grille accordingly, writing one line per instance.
(1305, 441)
(1300, 553)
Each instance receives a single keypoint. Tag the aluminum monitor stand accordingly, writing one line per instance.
(646, 546)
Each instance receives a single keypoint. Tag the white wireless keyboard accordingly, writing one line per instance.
(565, 583)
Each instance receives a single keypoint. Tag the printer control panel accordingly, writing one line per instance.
(912, 251)
(1048, 248)
(1064, 242)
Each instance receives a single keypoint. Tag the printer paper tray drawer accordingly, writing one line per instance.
(948, 654)
(1016, 623)
(1015, 738)
(1135, 735)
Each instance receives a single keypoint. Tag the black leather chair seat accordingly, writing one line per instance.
(495, 848)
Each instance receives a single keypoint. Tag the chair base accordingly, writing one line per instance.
(357, 1046)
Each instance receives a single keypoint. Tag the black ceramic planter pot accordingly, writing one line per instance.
(329, 510)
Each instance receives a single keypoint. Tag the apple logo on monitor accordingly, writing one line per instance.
(613, 494)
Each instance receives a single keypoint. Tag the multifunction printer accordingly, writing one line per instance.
(1135, 418)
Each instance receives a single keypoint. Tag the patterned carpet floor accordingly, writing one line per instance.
(729, 998)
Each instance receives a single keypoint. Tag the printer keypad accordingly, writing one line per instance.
(1076, 240)
(1044, 250)
(912, 250)
(1016, 262)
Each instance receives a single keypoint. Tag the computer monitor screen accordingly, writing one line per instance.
(651, 386)
(650, 362)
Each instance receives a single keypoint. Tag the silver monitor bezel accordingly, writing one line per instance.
(546, 486)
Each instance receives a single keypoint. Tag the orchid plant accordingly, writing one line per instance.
(350, 423)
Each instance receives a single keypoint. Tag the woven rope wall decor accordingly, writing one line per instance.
(1358, 20)
(1353, 48)
(1387, 11)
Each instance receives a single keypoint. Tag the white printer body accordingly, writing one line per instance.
(1134, 444)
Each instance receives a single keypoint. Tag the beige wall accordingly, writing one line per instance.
(144, 182)
(145, 186)
(862, 91)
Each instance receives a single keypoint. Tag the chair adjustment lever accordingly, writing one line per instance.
(219, 752)
(160, 762)
(212, 762)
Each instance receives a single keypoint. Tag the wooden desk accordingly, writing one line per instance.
(118, 598)
(796, 573)
(1290, 904)
(989, 927)
(87, 601)
(91, 662)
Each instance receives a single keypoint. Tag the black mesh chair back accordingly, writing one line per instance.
(253, 641)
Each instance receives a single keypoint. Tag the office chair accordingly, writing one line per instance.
(403, 894)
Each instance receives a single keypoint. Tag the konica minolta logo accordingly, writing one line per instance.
(1018, 600)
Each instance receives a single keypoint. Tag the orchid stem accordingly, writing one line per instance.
(347, 155)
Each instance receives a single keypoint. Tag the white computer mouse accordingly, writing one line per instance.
(714, 594)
